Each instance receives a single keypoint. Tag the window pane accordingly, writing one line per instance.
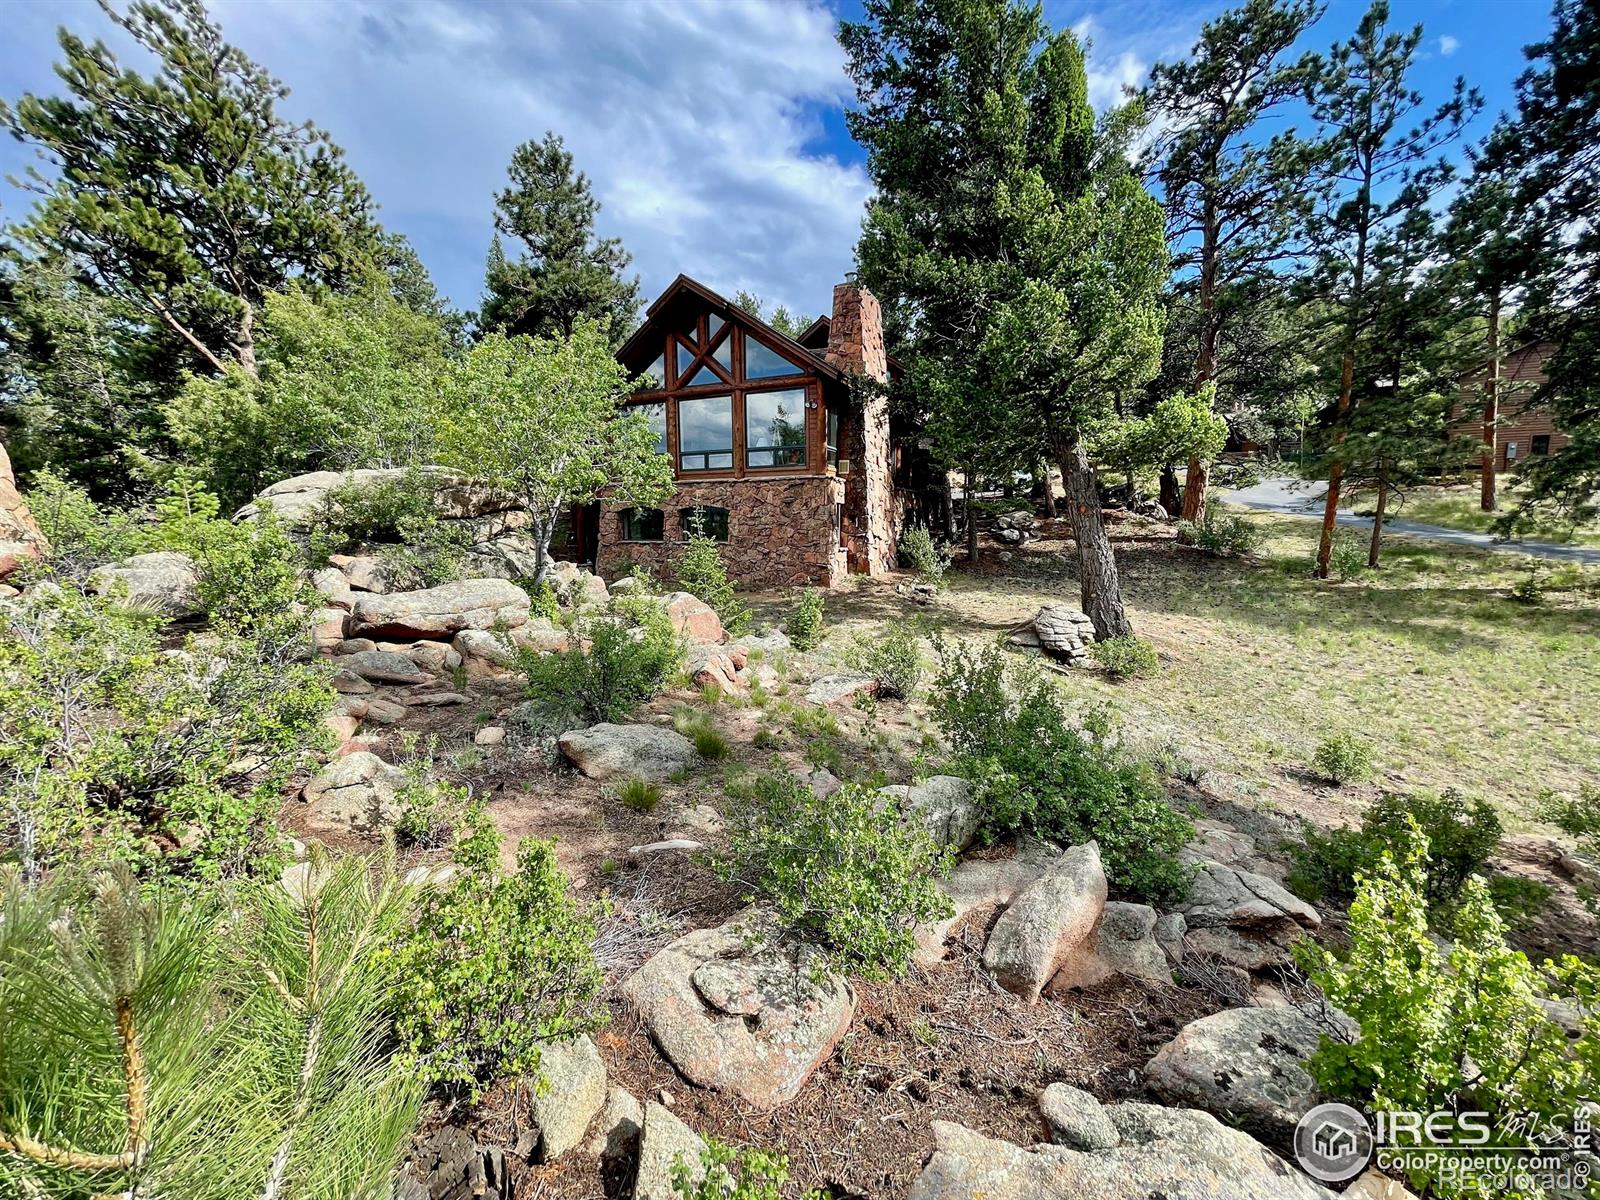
(706, 520)
(713, 327)
(724, 355)
(643, 525)
(775, 428)
(702, 377)
(705, 433)
(685, 358)
(656, 414)
(761, 363)
(833, 438)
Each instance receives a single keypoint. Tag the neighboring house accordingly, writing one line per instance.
(780, 447)
(1523, 432)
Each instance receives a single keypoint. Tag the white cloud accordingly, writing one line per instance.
(695, 121)
(1448, 45)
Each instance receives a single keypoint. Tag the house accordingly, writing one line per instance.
(780, 446)
(1523, 431)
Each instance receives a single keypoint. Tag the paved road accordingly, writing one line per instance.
(1285, 494)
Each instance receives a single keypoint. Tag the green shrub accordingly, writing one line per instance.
(843, 873)
(400, 515)
(893, 657)
(82, 535)
(1461, 835)
(640, 795)
(804, 624)
(431, 809)
(633, 650)
(1034, 773)
(919, 552)
(1529, 589)
(702, 573)
(1456, 1027)
(496, 966)
(1126, 657)
(248, 575)
(1518, 900)
(1343, 758)
(171, 761)
(1348, 556)
(728, 1174)
(1220, 532)
(543, 603)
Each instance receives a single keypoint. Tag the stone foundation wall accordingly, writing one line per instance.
(780, 532)
(855, 346)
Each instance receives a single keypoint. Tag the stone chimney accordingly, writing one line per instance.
(855, 346)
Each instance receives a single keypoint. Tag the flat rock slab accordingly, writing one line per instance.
(1245, 1065)
(439, 613)
(383, 666)
(753, 1022)
(607, 751)
(835, 689)
(1175, 1153)
(1047, 922)
(1223, 895)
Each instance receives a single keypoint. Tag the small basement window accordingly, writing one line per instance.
(643, 525)
(1540, 444)
(707, 520)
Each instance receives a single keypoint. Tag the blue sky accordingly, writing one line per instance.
(713, 130)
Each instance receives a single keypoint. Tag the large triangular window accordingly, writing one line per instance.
(763, 363)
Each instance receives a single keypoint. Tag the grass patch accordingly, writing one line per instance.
(1456, 507)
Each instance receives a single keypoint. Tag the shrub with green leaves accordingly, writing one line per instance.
(121, 750)
(924, 556)
(892, 656)
(1034, 773)
(726, 1173)
(633, 649)
(804, 623)
(1223, 533)
(496, 966)
(701, 572)
(1348, 556)
(1126, 657)
(1461, 835)
(400, 517)
(844, 874)
(1343, 758)
(82, 535)
(431, 809)
(1452, 1027)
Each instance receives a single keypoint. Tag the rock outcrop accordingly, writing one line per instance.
(663, 1141)
(1047, 922)
(608, 751)
(572, 1089)
(439, 613)
(1244, 919)
(943, 805)
(1245, 1065)
(355, 792)
(1160, 1152)
(1059, 631)
(751, 1020)
(20, 535)
(163, 581)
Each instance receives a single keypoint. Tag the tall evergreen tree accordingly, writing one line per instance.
(566, 273)
(1016, 250)
(1231, 198)
(185, 194)
(1554, 147)
(1377, 156)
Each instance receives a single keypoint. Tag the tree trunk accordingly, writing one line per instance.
(1170, 498)
(1042, 474)
(1100, 591)
(1487, 499)
(1194, 490)
(244, 344)
(972, 520)
(947, 507)
(1330, 511)
(1377, 517)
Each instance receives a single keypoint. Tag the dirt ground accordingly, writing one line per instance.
(944, 1043)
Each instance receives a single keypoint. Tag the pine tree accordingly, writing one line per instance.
(1231, 200)
(1376, 155)
(185, 195)
(1011, 244)
(1553, 147)
(566, 273)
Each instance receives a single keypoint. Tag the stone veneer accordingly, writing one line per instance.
(855, 346)
(780, 531)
